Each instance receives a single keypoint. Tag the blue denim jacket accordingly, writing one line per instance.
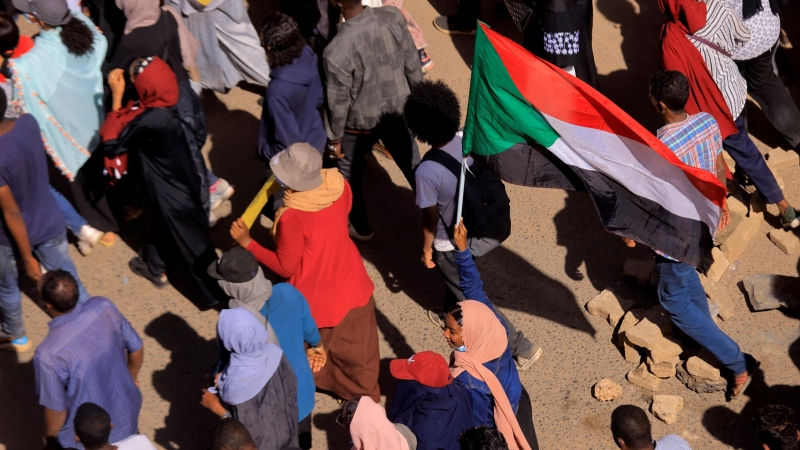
(503, 367)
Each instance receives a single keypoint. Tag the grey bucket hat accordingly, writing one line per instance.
(299, 167)
(52, 12)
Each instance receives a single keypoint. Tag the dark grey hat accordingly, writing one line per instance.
(52, 12)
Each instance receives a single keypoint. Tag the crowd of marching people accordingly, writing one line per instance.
(103, 123)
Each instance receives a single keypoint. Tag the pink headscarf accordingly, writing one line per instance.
(486, 340)
(371, 430)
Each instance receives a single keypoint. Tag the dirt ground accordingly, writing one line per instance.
(557, 258)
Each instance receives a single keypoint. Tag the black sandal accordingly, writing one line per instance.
(139, 267)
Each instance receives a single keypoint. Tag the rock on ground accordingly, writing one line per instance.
(718, 295)
(629, 351)
(665, 349)
(700, 368)
(700, 385)
(605, 390)
(609, 306)
(644, 379)
(766, 291)
(630, 319)
(645, 334)
(666, 407)
(787, 241)
(664, 369)
(719, 263)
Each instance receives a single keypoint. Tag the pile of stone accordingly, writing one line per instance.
(747, 214)
(649, 339)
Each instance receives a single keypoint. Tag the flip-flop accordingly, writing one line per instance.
(747, 379)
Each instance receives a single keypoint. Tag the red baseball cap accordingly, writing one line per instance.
(428, 368)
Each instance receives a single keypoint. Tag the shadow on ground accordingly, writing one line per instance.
(465, 45)
(22, 425)
(181, 381)
(736, 430)
(510, 281)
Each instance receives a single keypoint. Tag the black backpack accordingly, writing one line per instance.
(486, 208)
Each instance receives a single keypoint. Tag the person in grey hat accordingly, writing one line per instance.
(315, 254)
(285, 313)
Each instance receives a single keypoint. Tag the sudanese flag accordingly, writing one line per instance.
(533, 124)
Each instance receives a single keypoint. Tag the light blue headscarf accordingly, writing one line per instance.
(253, 360)
(64, 93)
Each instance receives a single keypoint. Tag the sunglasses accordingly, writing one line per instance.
(340, 420)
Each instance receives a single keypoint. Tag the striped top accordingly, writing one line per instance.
(696, 141)
(83, 359)
(725, 29)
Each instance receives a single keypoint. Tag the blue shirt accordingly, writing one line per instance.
(82, 359)
(23, 168)
(291, 319)
(502, 367)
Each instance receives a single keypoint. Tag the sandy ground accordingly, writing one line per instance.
(557, 259)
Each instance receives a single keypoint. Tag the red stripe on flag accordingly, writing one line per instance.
(569, 99)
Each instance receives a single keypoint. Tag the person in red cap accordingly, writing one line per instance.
(429, 403)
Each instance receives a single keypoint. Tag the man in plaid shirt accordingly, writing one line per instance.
(696, 140)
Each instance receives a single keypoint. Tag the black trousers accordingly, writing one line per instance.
(304, 433)
(398, 141)
(525, 419)
(771, 95)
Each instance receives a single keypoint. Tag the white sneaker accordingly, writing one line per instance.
(524, 364)
(88, 238)
(220, 191)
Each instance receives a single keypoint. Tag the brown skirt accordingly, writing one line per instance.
(353, 356)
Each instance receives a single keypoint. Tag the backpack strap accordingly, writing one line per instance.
(443, 158)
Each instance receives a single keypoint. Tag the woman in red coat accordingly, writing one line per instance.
(316, 255)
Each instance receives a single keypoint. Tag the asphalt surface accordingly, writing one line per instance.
(557, 258)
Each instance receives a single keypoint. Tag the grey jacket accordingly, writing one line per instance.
(368, 67)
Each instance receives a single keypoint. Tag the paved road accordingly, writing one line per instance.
(557, 259)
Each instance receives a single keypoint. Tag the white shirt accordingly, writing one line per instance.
(764, 27)
(672, 442)
(135, 442)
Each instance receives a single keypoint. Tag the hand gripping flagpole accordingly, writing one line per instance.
(461, 190)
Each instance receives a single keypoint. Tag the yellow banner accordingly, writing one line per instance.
(251, 213)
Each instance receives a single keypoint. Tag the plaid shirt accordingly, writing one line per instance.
(368, 68)
(695, 141)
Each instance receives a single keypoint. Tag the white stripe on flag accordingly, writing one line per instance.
(634, 165)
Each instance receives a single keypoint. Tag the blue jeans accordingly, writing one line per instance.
(682, 295)
(74, 220)
(53, 255)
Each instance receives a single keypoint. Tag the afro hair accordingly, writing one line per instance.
(433, 112)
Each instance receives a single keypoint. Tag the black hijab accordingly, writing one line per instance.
(751, 7)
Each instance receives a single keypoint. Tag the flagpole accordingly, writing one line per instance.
(461, 190)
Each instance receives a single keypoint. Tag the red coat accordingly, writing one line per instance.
(678, 53)
(317, 256)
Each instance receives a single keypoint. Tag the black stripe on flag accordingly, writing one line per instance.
(621, 211)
